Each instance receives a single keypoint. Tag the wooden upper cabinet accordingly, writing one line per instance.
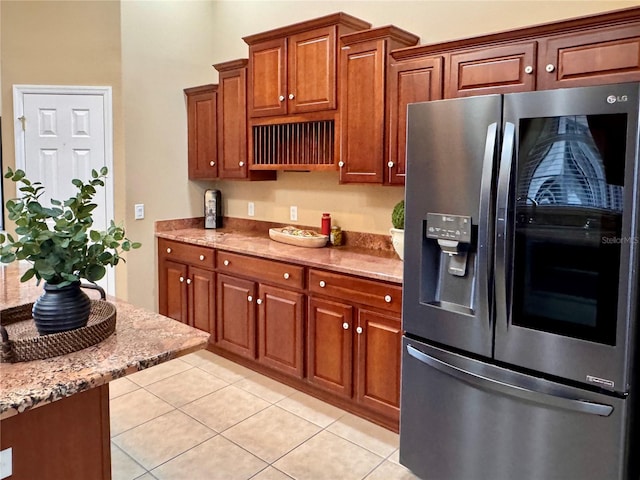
(232, 123)
(596, 57)
(503, 69)
(364, 61)
(409, 81)
(292, 69)
(202, 131)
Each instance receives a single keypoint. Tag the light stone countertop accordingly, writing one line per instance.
(366, 263)
(142, 339)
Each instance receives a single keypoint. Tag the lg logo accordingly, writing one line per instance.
(614, 98)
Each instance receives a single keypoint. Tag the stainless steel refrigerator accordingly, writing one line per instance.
(521, 285)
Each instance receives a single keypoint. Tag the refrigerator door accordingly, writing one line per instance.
(451, 154)
(464, 419)
(566, 233)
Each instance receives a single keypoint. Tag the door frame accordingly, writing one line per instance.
(19, 92)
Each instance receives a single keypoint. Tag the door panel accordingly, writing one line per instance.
(174, 303)
(566, 199)
(235, 323)
(202, 299)
(280, 330)
(329, 363)
(444, 304)
(232, 128)
(268, 78)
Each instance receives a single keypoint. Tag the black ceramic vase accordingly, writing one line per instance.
(60, 309)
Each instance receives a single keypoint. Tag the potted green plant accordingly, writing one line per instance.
(62, 248)
(397, 232)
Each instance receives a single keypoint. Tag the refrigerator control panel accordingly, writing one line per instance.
(449, 227)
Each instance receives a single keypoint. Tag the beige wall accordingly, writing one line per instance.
(150, 50)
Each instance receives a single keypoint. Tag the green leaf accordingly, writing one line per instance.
(94, 235)
(136, 245)
(18, 175)
(8, 258)
(28, 275)
(94, 174)
(77, 183)
(95, 272)
(104, 171)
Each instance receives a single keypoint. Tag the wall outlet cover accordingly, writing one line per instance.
(293, 213)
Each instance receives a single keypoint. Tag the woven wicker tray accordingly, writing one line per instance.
(21, 341)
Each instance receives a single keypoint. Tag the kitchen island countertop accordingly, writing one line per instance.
(142, 339)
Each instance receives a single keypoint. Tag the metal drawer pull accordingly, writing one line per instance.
(550, 68)
(387, 298)
(168, 250)
(259, 301)
(226, 263)
(201, 257)
(286, 276)
(528, 69)
(322, 284)
(281, 97)
(341, 164)
(212, 163)
(291, 96)
(359, 330)
(188, 281)
(241, 164)
(249, 298)
(390, 164)
(345, 325)
(181, 279)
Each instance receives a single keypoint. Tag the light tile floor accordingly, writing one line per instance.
(203, 417)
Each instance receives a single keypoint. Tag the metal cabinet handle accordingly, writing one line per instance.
(259, 301)
(322, 284)
(345, 325)
(341, 164)
(241, 164)
(291, 96)
(550, 68)
(390, 164)
(212, 163)
(249, 298)
(226, 263)
(359, 330)
(188, 281)
(181, 279)
(168, 250)
(281, 98)
(528, 69)
(286, 276)
(387, 298)
(201, 257)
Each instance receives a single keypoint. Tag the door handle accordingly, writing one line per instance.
(518, 391)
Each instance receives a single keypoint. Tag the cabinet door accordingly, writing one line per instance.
(268, 78)
(362, 72)
(311, 74)
(280, 329)
(202, 133)
(201, 299)
(232, 128)
(409, 82)
(607, 55)
(378, 347)
(329, 344)
(503, 69)
(235, 322)
(173, 290)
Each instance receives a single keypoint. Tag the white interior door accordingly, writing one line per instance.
(62, 134)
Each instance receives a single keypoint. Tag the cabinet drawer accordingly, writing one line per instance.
(266, 271)
(186, 253)
(357, 290)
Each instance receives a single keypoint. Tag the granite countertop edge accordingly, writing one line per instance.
(372, 264)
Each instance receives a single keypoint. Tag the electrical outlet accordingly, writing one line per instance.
(251, 209)
(293, 213)
(139, 211)
(6, 463)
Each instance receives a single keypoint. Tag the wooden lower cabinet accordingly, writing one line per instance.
(355, 352)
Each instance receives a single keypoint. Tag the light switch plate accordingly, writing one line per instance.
(251, 209)
(6, 463)
(139, 211)
(293, 213)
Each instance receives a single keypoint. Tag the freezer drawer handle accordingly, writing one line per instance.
(575, 404)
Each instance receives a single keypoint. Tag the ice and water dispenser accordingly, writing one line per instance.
(448, 260)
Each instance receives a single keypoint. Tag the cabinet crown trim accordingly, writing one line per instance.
(211, 87)
(339, 18)
(613, 18)
(231, 64)
(386, 32)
